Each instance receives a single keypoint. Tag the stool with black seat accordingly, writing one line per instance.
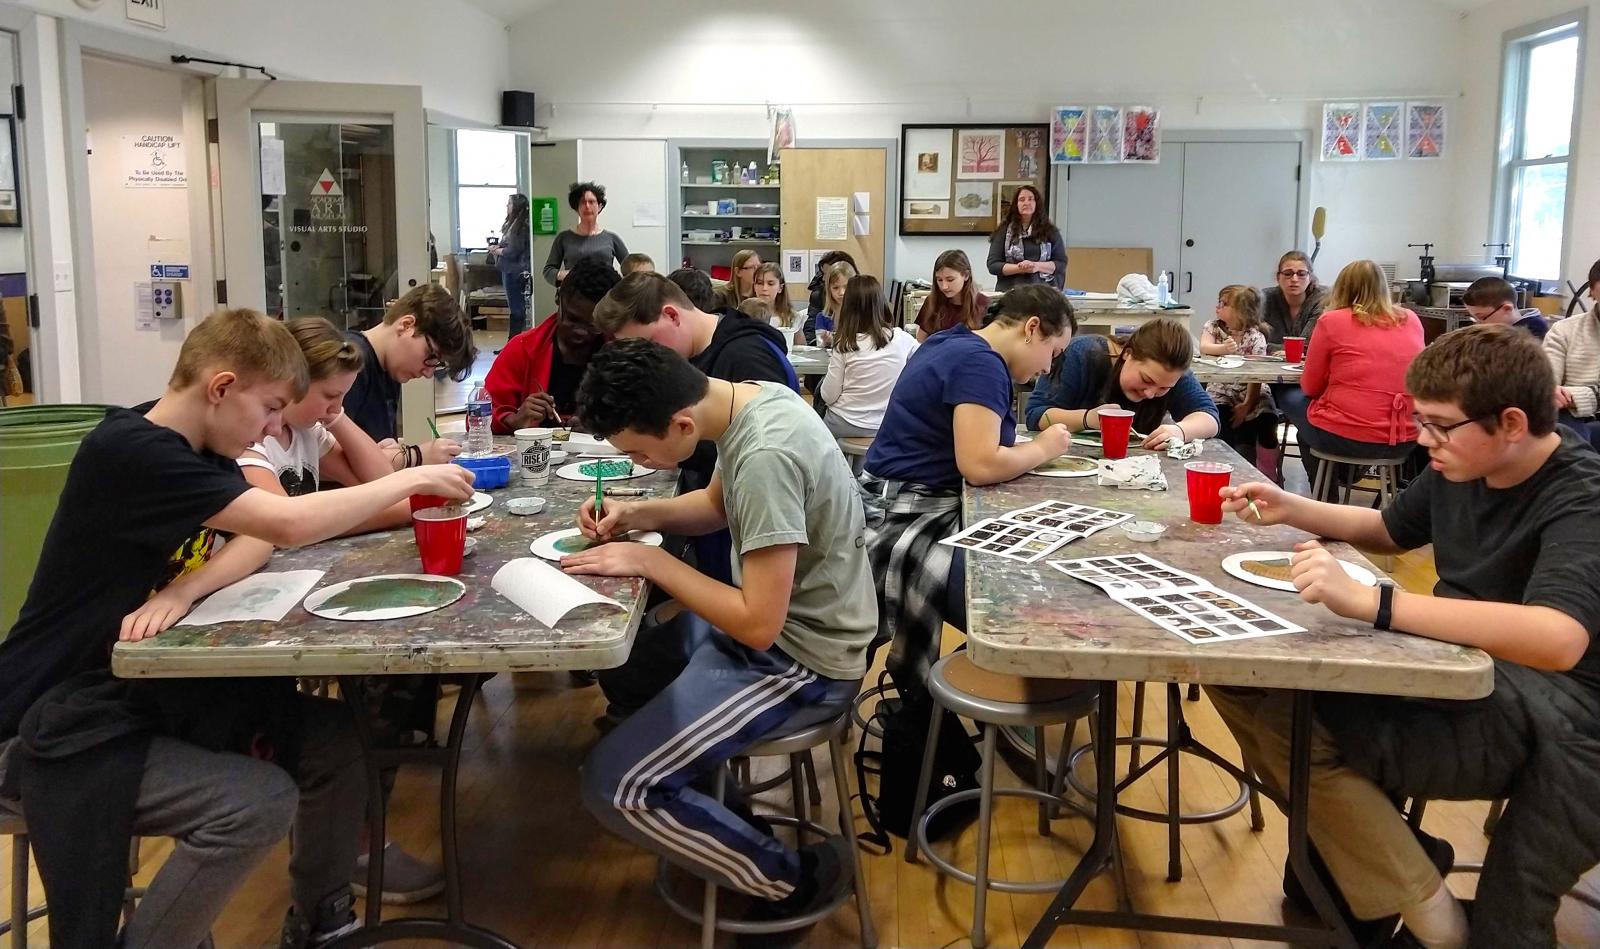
(994, 700)
(795, 746)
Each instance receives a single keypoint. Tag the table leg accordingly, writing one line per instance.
(454, 928)
(1299, 819)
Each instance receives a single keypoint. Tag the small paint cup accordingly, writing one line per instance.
(1294, 348)
(1115, 427)
(533, 454)
(1206, 479)
(441, 538)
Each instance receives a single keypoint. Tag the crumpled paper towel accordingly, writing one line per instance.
(1136, 288)
(1180, 450)
(1140, 473)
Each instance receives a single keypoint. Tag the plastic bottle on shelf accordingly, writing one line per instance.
(684, 175)
(755, 175)
(480, 440)
(1163, 290)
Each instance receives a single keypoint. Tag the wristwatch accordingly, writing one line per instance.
(1385, 605)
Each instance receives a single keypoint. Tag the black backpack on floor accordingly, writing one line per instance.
(897, 765)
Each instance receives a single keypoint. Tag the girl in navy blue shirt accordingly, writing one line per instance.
(1149, 376)
(950, 419)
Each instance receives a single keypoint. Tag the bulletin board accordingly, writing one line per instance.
(959, 179)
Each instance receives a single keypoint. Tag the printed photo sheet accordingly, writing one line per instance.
(1178, 602)
(1030, 533)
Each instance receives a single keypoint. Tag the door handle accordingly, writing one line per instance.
(1188, 277)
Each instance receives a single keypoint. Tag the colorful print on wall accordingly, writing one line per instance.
(1105, 134)
(1341, 131)
(981, 153)
(1027, 149)
(1425, 130)
(1141, 134)
(1069, 134)
(1381, 136)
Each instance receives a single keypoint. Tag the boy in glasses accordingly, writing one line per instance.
(1494, 300)
(421, 333)
(1511, 504)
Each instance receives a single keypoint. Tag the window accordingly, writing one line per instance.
(486, 175)
(1539, 108)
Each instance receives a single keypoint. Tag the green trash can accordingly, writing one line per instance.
(37, 443)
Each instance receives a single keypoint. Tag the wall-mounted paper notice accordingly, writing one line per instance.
(859, 224)
(794, 266)
(273, 176)
(543, 591)
(863, 202)
(833, 219)
(266, 597)
(650, 214)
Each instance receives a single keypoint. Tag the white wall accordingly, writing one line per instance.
(123, 99)
(1474, 129)
(13, 240)
(632, 171)
(853, 70)
(455, 51)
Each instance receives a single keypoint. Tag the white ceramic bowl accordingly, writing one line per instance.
(1144, 532)
(525, 507)
(558, 457)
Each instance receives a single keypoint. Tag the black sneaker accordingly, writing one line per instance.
(824, 878)
(335, 917)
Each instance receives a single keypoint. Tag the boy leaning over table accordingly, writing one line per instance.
(1511, 505)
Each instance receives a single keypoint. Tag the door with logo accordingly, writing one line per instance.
(323, 193)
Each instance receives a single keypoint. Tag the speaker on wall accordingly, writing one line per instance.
(516, 109)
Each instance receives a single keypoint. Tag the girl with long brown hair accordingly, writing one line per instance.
(955, 298)
(773, 290)
(869, 352)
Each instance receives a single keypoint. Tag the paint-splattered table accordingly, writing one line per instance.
(1030, 619)
(1268, 371)
(477, 636)
(809, 360)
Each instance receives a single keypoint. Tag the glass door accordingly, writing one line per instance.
(324, 212)
(19, 350)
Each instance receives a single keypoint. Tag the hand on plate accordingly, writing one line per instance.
(1321, 578)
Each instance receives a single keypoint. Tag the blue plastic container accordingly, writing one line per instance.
(493, 471)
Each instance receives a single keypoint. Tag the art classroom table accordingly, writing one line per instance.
(1032, 620)
(1266, 371)
(809, 360)
(477, 636)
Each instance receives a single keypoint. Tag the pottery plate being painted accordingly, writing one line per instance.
(558, 544)
(391, 596)
(1270, 569)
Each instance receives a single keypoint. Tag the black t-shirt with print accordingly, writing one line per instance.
(375, 397)
(1536, 543)
(130, 520)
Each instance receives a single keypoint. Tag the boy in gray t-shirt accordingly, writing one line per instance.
(785, 646)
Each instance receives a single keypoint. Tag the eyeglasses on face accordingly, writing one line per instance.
(1440, 432)
(1294, 274)
(434, 360)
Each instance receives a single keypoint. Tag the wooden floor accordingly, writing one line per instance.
(540, 871)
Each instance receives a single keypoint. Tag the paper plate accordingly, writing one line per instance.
(1234, 565)
(479, 502)
(1068, 466)
(1229, 362)
(550, 546)
(574, 472)
(584, 444)
(390, 596)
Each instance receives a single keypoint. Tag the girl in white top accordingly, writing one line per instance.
(868, 354)
(318, 442)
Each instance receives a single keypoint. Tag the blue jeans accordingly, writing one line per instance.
(1587, 428)
(516, 302)
(1294, 404)
(640, 780)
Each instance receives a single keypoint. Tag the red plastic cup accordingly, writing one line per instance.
(1115, 427)
(1294, 348)
(441, 538)
(420, 501)
(1206, 481)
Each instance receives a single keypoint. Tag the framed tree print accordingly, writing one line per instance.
(959, 179)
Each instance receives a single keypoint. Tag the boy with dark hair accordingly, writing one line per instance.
(222, 765)
(1511, 505)
(421, 332)
(1494, 300)
(782, 647)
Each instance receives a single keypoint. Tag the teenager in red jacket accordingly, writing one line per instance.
(535, 379)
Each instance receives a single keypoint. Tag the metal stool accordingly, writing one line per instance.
(855, 450)
(1178, 740)
(1326, 485)
(796, 747)
(993, 700)
(14, 826)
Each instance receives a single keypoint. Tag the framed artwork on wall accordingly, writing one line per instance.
(959, 179)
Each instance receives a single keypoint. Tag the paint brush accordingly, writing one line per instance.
(630, 492)
(433, 426)
(1251, 504)
(598, 498)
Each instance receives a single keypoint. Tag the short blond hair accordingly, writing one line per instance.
(1362, 289)
(248, 343)
(328, 352)
(756, 309)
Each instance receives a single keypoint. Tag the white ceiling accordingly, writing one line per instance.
(509, 11)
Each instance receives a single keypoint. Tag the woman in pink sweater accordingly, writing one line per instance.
(1355, 373)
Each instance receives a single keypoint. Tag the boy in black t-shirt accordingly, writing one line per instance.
(1511, 505)
(223, 766)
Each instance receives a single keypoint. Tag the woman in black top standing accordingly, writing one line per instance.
(512, 258)
(1026, 248)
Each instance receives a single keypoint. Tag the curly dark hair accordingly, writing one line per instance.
(696, 286)
(576, 191)
(590, 278)
(638, 385)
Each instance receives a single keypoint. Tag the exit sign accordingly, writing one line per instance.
(149, 12)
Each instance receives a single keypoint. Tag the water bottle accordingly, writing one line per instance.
(1163, 290)
(685, 172)
(480, 441)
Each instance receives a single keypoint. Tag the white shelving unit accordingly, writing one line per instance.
(758, 225)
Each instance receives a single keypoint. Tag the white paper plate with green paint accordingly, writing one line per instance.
(558, 544)
(390, 596)
(609, 469)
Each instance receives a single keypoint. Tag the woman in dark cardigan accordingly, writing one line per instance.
(1026, 248)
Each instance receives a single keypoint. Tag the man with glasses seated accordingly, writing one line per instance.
(1511, 504)
(421, 333)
